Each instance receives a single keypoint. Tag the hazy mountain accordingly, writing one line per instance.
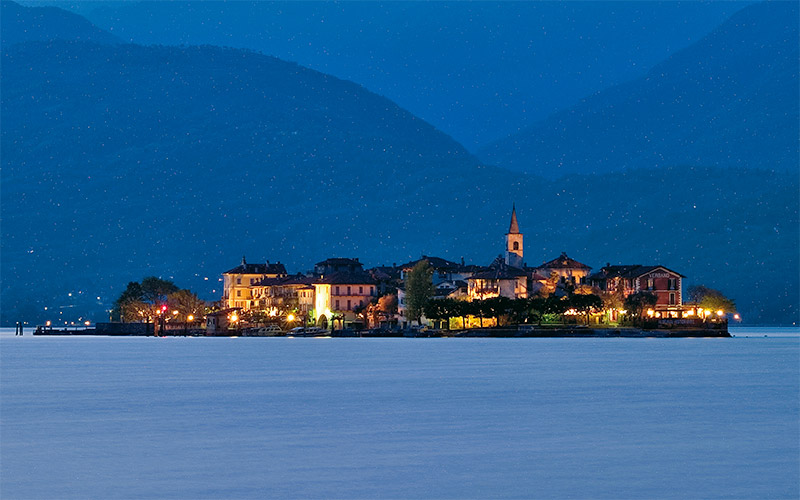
(476, 70)
(121, 161)
(730, 99)
(23, 24)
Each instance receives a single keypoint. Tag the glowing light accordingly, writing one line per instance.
(175, 313)
(650, 312)
(87, 323)
(234, 317)
(737, 317)
(720, 313)
(290, 317)
(190, 318)
(48, 323)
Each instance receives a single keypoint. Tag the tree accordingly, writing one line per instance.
(419, 288)
(143, 301)
(155, 290)
(537, 308)
(586, 304)
(187, 304)
(520, 310)
(497, 307)
(639, 302)
(384, 309)
(551, 284)
(462, 308)
(387, 304)
(130, 306)
(614, 300)
(434, 309)
(713, 300)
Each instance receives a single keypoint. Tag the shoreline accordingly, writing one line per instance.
(508, 332)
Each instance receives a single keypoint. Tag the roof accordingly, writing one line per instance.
(224, 312)
(499, 273)
(629, 271)
(640, 271)
(297, 279)
(538, 277)
(339, 261)
(613, 272)
(563, 262)
(436, 263)
(514, 227)
(267, 268)
(345, 278)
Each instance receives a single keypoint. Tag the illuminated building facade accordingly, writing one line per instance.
(239, 282)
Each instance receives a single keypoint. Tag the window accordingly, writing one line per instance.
(516, 245)
(337, 291)
(336, 306)
(673, 284)
(361, 290)
(238, 281)
(649, 283)
(348, 292)
(238, 293)
(252, 280)
(372, 290)
(672, 299)
(348, 305)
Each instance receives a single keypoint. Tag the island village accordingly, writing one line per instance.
(430, 296)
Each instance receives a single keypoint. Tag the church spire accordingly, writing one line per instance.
(514, 228)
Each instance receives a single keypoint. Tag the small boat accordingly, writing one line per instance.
(308, 331)
(264, 331)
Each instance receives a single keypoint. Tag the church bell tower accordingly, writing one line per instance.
(514, 242)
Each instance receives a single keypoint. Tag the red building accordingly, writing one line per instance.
(664, 283)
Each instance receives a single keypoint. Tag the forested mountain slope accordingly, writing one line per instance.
(731, 99)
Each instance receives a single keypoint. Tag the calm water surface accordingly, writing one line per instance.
(95, 417)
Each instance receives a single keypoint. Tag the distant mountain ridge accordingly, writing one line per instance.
(730, 99)
(24, 24)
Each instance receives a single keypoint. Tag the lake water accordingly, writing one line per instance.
(96, 417)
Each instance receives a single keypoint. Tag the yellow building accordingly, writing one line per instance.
(570, 270)
(500, 280)
(240, 282)
(340, 294)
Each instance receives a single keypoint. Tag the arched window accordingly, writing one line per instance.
(516, 245)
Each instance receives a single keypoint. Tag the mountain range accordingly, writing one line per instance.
(122, 160)
(476, 70)
(731, 99)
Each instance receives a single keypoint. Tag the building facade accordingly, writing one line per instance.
(239, 282)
